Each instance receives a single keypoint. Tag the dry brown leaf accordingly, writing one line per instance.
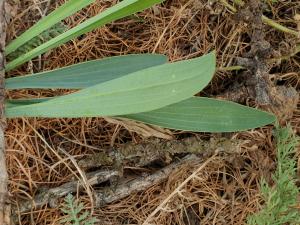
(142, 129)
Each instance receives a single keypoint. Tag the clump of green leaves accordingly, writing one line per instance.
(282, 198)
(139, 87)
(45, 36)
(75, 213)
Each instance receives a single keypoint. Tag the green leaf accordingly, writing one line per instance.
(194, 114)
(65, 10)
(11, 103)
(205, 115)
(141, 91)
(86, 74)
(118, 11)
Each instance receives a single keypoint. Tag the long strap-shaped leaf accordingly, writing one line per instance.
(67, 9)
(87, 74)
(120, 10)
(205, 115)
(11, 103)
(194, 114)
(142, 91)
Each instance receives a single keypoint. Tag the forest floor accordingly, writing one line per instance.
(219, 188)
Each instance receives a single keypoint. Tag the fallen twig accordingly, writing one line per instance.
(177, 190)
(107, 196)
(142, 154)
(51, 195)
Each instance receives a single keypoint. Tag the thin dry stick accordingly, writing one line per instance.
(162, 34)
(46, 8)
(168, 26)
(160, 207)
(83, 176)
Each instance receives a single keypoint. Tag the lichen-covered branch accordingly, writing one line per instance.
(142, 154)
(125, 189)
(107, 194)
(49, 196)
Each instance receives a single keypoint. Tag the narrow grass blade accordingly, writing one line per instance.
(87, 74)
(120, 10)
(65, 10)
(205, 115)
(142, 91)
